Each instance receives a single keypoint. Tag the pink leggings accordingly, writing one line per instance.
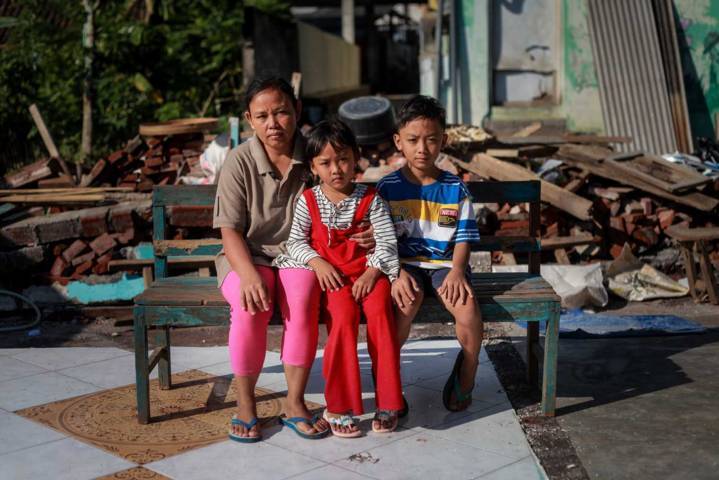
(299, 297)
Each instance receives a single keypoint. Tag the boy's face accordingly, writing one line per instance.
(420, 141)
(336, 168)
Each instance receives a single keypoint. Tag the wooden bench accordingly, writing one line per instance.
(194, 301)
(692, 239)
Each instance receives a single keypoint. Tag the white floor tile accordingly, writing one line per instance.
(60, 460)
(424, 456)
(487, 387)
(198, 357)
(13, 368)
(66, 357)
(526, 469)
(495, 430)
(9, 351)
(17, 433)
(229, 459)
(116, 372)
(38, 389)
(333, 449)
(426, 408)
(330, 472)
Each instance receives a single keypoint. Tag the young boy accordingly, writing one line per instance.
(352, 278)
(435, 225)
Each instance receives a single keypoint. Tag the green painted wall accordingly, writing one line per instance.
(698, 22)
(579, 104)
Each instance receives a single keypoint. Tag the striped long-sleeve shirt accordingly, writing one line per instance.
(339, 217)
(431, 219)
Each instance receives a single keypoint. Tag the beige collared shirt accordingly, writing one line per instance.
(255, 200)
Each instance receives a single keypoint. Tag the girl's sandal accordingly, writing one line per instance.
(383, 416)
(342, 421)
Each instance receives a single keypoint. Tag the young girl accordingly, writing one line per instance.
(350, 277)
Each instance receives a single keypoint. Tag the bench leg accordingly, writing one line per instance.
(549, 373)
(532, 364)
(162, 340)
(142, 375)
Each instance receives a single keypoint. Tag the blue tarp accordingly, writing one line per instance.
(576, 323)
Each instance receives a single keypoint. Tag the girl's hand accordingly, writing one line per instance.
(329, 278)
(365, 283)
(455, 287)
(254, 297)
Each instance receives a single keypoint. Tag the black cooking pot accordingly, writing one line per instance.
(370, 118)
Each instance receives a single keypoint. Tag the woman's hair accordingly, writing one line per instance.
(260, 84)
(421, 106)
(332, 131)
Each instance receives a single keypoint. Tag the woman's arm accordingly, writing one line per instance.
(253, 295)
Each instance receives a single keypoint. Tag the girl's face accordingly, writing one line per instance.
(273, 118)
(336, 168)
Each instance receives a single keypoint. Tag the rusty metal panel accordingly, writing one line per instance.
(632, 81)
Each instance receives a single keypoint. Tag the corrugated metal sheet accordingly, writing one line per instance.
(632, 83)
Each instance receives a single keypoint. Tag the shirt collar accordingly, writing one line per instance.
(263, 163)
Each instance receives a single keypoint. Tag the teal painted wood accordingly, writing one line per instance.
(194, 195)
(162, 340)
(192, 316)
(505, 192)
(234, 132)
(142, 374)
(491, 244)
(551, 353)
(158, 233)
(201, 250)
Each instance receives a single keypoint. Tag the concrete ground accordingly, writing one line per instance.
(486, 441)
(643, 408)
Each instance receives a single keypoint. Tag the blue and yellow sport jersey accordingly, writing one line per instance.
(429, 220)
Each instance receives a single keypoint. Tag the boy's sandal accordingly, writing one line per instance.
(453, 386)
(248, 426)
(383, 416)
(342, 421)
(292, 424)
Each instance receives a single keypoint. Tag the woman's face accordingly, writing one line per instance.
(273, 118)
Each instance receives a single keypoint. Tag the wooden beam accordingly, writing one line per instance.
(490, 167)
(528, 130)
(569, 242)
(47, 139)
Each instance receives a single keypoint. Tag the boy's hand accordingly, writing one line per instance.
(365, 283)
(455, 287)
(404, 288)
(329, 278)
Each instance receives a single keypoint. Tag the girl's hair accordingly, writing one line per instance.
(260, 84)
(332, 131)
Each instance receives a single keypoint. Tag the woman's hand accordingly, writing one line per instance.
(455, 287)
(404, 288)
(365, 283)
(364, 238)
(329, 278)
(254, 297)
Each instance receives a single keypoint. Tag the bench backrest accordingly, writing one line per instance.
(165, 196)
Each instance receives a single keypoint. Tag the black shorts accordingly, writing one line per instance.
(431, 278)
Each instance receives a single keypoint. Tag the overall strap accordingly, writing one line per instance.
(364, 205)
(312, 206)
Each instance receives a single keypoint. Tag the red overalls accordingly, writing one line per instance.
(340, 366)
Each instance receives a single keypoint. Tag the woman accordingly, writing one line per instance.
(258, 186)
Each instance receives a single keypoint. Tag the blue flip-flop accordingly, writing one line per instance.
(292, 422)
(248, 426)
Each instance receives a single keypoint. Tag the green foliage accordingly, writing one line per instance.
(182, 58)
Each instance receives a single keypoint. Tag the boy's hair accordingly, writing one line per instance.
(422, 106)
(332, 131)
(259, 84)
